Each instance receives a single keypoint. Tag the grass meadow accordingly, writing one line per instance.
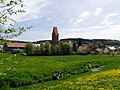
(19, 72)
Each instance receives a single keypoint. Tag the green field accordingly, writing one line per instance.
(37, 72)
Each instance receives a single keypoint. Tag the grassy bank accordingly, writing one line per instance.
(22, 70)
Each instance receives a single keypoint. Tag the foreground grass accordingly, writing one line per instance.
(107, 80)
(34, 69)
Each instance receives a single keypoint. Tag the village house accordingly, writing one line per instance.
(99, 50)
(36, 45)
(84, 49)
(14, 47)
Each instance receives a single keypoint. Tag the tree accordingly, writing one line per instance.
(29, 49)
(41, 48)
(7, 9)
(79, 42)
(36, 51)
(75, 47)
(94, 46)
(54, 49)
(47, 48)
(65, 48)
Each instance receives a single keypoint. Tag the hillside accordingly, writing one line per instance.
(96, 41)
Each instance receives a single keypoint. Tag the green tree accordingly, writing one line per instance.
(75, 47)
(55, 50)
(7, 9)
(65, 48)
(94, 46)
(36, 51)
(79, 42)
(41, 48)
(29, 49)
(47, 48)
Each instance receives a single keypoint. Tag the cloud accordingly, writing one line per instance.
(98, 11)
(80, 19)
(96, 32)
(48, 19)
(85, 14)
(107, 20)
(77, 22)
(34, 9)
(110, 32)
(93, 28)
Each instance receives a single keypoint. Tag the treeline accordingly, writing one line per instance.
(46, 49)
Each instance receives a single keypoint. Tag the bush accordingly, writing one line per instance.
(29, 49)
(65, 49)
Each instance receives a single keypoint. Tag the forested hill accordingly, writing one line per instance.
(98, 41)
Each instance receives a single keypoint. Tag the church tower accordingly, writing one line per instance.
(55, 36)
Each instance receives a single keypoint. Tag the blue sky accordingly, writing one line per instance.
(91, 19)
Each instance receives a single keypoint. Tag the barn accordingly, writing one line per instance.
(14, 47)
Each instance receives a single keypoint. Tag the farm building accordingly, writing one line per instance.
(14, 47)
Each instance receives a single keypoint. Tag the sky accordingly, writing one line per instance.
(89, 19)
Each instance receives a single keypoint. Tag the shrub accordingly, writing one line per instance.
(29, 49)
(65, 48)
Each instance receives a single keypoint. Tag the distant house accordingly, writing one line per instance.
(84, 49)
(107, 50)
(112, 48)
(14, 47)
(36, 45)
(100, 50)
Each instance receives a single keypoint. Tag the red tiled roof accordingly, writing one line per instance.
(22, 45)
(67, 41)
